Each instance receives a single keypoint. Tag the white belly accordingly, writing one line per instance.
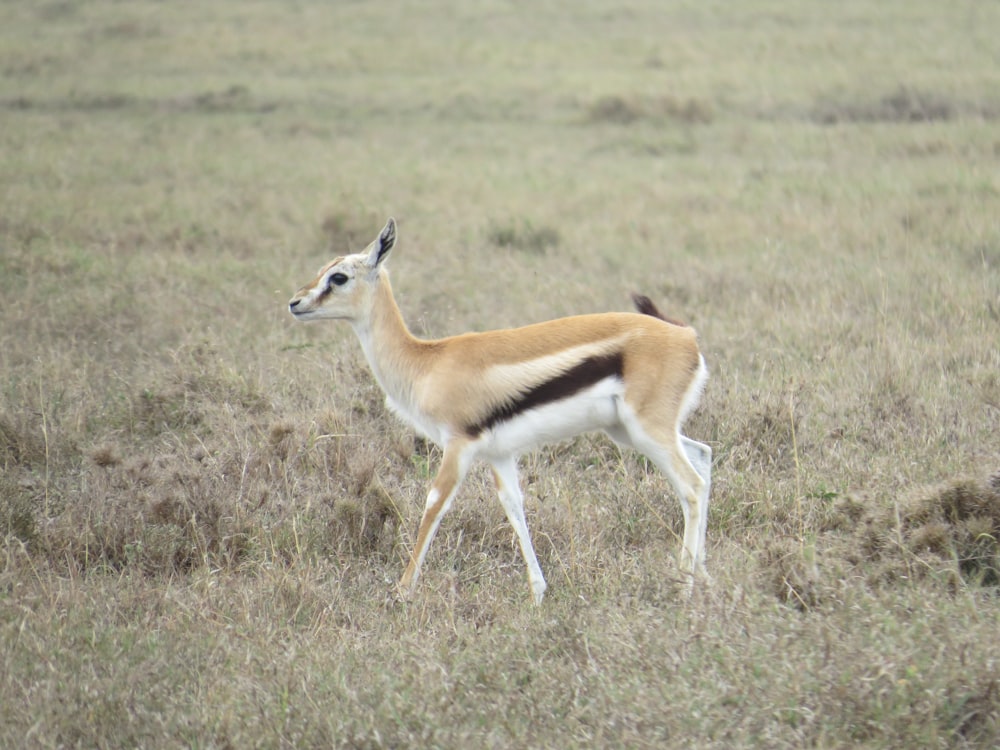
(594, 408)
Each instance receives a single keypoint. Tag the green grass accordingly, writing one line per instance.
(204, 505)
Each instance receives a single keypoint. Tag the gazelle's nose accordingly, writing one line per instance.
(293, 304)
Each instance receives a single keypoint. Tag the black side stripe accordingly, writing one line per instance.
(590, 371)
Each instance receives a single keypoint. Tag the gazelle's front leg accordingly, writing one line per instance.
(505, 474)
(454, 465)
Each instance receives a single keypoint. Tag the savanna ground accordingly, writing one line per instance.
(204, 505)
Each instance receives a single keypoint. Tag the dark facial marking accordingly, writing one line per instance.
(324, 294)
(337, 279)
(569, 383)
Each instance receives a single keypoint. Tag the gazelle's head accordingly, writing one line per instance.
(344, 287)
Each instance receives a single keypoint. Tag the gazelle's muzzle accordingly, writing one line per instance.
(299, 305)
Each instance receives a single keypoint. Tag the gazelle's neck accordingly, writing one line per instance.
(392, 351)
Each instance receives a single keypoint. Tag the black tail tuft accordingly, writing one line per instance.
(645, 306)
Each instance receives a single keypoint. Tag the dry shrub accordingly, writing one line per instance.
(953, 527)
(891, 406)
(523, 236)
(364, 513)
(363, 525)
(22, 449)
(280, 438)
(188, 395)
(161, 515)
(904, 105)
(849, 511)
(18, 505)
(349, 468)
(624, 110)
(764, 436)
(347, 231)
(788, 570)
(976, 711)
(105, 455)
(21, 443)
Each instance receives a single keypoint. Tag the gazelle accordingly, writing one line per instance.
(496, 394)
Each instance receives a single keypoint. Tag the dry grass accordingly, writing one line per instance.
(204, 506)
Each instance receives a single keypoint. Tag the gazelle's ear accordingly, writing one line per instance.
(379, 249)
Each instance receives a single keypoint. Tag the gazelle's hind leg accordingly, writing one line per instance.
(505, 474)
(677, 456)
(454, 466)
(700, 456)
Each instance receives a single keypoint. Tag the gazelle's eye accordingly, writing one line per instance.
(339, 279)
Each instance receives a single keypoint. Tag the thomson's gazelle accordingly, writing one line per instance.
(494, 395)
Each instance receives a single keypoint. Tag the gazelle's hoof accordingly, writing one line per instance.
(538, 591)
(404, 592)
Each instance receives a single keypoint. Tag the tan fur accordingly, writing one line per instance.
(457, 380)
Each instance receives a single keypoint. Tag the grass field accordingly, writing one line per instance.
(204, 505)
